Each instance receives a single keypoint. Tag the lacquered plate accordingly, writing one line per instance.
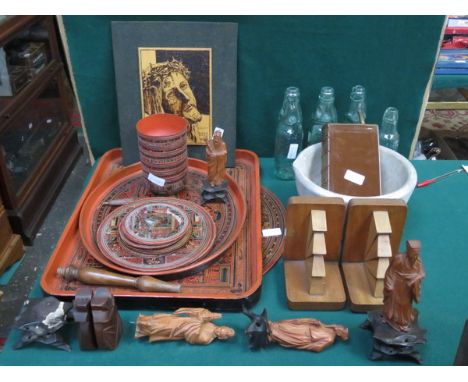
(157, 223)
(131, 182)
(147, 251)
(201, 240)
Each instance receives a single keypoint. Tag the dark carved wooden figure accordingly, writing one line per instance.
(395, 328)
(403, 286)
(216, 156)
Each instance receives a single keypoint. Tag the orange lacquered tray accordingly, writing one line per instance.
(233, 279)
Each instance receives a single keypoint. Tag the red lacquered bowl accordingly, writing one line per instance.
(161, 127)
(164, 163)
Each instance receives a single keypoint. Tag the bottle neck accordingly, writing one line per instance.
(326, 105)
(291, 112)
(388, 127)
(357, 104)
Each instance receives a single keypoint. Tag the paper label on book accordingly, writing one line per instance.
(220, 130)
(268, 232)
(354, 177)
(292, 153)
(156, 180)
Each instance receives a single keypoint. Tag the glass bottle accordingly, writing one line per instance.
(388, 132)
(325, 113)
(289, 134)
(357, 105)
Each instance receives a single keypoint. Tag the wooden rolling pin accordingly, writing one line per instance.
(94, 276)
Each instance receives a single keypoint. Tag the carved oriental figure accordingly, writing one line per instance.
(402, 287)
(305, 334)
(299, 333)
(216, 156)
(190, 324)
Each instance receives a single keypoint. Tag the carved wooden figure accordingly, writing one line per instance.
(190, 324)
(312, 250)
(403, 286)
(395, 329)
(216, 156)
(299, 333)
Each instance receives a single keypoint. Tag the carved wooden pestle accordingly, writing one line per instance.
(94, 276)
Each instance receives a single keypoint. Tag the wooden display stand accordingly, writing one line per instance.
(11, 245)
(373, 232)
(314, 228)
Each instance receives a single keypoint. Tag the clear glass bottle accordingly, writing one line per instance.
(289, 134)
(325, 113)
(388, 131)
(357, 105)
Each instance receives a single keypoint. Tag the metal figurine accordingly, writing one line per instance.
(300, 333)
(216, 156)
(190, 324)
(396, 330)
(40, 320)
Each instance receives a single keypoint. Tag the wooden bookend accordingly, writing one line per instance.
(373, 232)
(312, 247)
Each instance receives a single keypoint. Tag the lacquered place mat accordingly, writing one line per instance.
(235, 276)
(273, 216)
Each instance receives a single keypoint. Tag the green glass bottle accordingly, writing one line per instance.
(289, 134)
(325, 113)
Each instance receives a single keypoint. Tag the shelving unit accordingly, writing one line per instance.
(38, 145)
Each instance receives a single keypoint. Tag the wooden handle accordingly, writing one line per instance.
(94, 276)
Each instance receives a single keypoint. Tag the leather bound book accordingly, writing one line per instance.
(350, 159)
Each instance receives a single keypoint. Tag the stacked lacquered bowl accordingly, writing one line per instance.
(162, 143)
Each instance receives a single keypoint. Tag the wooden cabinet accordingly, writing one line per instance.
(11, 245)
(38, 145)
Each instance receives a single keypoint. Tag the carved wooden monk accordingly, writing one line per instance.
(305, 333)
(299, 333)
(402, 287)
(190, 324)
(216, 156)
